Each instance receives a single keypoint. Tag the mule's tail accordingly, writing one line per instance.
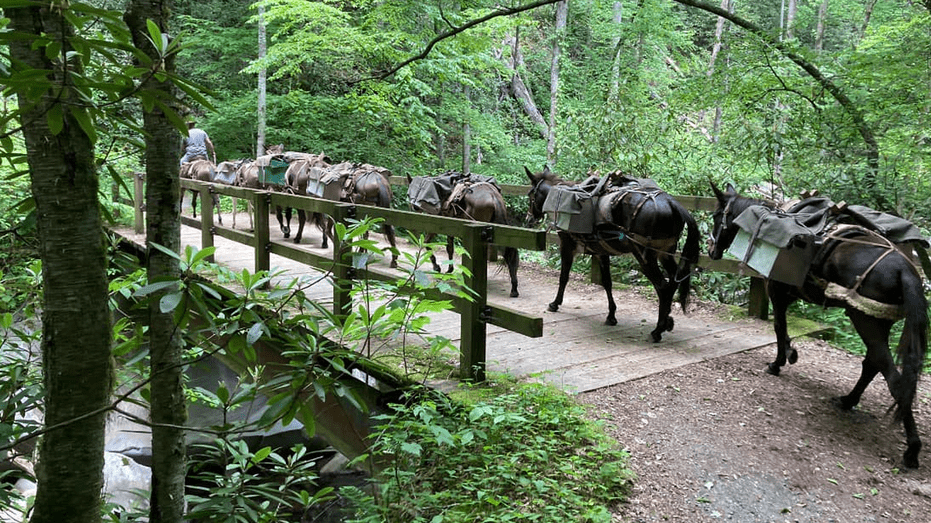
(688, 258)
(913, 344)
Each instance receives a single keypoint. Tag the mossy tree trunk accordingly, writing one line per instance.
(75, 315)
(163, 227)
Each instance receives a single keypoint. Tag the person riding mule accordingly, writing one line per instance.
(202, 170)
(851, 266)
(468, 197)
(624, 216)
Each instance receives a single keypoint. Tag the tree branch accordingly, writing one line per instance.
(872, 147)
(500, 11)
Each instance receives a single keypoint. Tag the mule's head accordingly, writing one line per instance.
(723, 231)
(540, 184)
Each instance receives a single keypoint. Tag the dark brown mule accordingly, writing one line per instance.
(646, 223)
(203, 170)
(476, 199)
(363, 184)
(874, 282)
(297, 176)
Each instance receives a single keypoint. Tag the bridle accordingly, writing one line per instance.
(532, 196)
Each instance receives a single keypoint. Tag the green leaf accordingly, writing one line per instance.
(170, 302)
(55, 119)
(255, 332)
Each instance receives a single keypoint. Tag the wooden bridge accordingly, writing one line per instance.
(572, 348)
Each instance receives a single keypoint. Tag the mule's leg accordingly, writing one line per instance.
(301, 218)
(604, 263)
(875, 335)
(566, 254)
(216, 205)
(194, 194)
(450, 250)
(512, 258)
(284, 226)
(780, 298)
(429, 237)
(388, 230)
(665, 287)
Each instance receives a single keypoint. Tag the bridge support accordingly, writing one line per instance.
(473, 314)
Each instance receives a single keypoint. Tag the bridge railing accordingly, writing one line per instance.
(476, 237)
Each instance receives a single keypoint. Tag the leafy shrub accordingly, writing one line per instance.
(528, 455)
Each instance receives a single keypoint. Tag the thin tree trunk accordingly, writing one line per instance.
(163, 227)
(719, 29)
(867, 14)
(791, 13)
(562, 15)
(819, 32)
(617, 18)
(466, 135)
(76, 332)
(260, 142)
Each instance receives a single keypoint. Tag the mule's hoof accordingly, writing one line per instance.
(449, 270)
(657, 336)
(553, 307)
(393, 264)
(670, 324)
(910, 459)
(297, 239)
(773, 369)
(287, 234)
(610, 320)
(793, 356)
(843, 402)
(514, 294)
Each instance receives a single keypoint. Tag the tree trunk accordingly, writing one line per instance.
(76, 335)
(819, 32)
(562, 15)
(867, 14)
(466, 134)
(617, 17)
(719, 29)
(520, 91)
(260, 123)
(163, 227)
(791, 12)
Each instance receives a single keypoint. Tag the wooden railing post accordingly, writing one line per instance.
(260, 204)
(206, 219)
(342, 265)
(138, 198)
(473, 315)
(758, 306)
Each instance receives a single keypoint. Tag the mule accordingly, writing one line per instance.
(200, 169)
(469, 198)
(364, 184)
(644, 222)
(876, 284)
(248, 177)
(227, 172)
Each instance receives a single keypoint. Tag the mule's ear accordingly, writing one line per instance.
(409, 179)
(529, 174)
(731, 191)
(717, 192)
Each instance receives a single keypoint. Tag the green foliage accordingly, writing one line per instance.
(232, 484)
(528, 455)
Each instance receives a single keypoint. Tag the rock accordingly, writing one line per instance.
(124, 480)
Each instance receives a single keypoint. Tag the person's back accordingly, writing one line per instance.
(197, 144)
